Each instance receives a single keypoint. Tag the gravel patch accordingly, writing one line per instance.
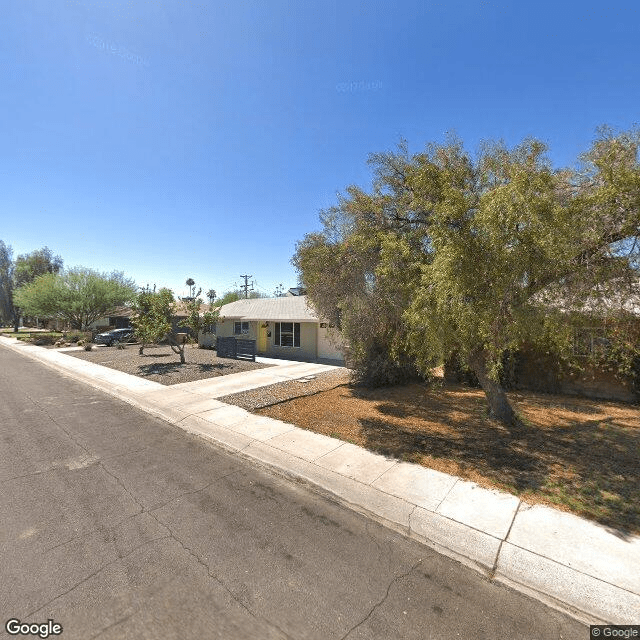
(161, 364)
(282, 391)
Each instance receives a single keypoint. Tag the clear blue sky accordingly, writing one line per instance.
(171, 139)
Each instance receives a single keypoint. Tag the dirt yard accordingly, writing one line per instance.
(161, 364)
(576, 454)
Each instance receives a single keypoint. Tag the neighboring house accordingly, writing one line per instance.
(286, 327)
(594, 322)
(119, 318)
(296, 291)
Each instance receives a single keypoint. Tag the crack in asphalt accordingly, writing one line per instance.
(189, 493)
(67, 432)
(221, 582)
(142, 509)
(113, 624)
(382, 601)
(62, 467)
(90, 532)
(95, 573)
(192, 553)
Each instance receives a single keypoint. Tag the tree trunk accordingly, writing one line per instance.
(177, 348)
(499, 405)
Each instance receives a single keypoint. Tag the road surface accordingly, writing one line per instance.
(115, 524)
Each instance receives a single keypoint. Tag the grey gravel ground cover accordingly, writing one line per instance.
(160, 364)
(280, 392)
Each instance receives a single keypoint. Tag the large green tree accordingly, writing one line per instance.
(6, 284)
(78, 295)
(29, 266)
(454, 256)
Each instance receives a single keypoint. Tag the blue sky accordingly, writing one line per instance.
(175, 139)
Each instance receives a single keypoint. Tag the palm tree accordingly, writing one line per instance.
(190, 283)
(211, 294)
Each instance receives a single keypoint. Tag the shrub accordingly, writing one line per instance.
(88, 346)
(41, 339)
(373, 366)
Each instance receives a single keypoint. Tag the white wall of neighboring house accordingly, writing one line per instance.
(329, 343)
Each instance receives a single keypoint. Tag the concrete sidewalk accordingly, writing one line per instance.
(572, 564)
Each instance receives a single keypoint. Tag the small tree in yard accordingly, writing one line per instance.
(196, 322)
(153, 319)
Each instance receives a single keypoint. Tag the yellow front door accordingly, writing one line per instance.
(262, 339)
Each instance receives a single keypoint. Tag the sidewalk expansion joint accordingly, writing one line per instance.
(446, 495)
(415, 506)
(492, 573)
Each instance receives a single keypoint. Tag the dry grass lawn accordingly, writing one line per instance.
(576, 454)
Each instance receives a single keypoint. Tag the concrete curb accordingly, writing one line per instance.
(571, 564)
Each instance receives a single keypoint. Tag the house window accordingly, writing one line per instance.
(287, 334)
(590, 341)
(240, 328)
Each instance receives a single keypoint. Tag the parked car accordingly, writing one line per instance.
(115, 336)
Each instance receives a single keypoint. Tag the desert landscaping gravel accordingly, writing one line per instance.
(282, 391)
(161, 364)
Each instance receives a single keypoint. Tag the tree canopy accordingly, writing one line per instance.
(458, 256)
(237, 294)
(153, 319)
(37, 263)
(152, 316)
(6, 283)
(79, 295)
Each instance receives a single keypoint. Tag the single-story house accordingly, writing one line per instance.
(285, 327)
(119, 318)
(595, 320)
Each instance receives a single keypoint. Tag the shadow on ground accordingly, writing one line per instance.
(577, 454)
(164, 368)
(572, 453)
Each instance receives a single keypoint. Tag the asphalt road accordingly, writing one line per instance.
(115, 524)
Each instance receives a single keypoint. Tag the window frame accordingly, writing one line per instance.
(242, 331)
(295, 334)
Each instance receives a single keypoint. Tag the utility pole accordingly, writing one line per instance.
(245, 286)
